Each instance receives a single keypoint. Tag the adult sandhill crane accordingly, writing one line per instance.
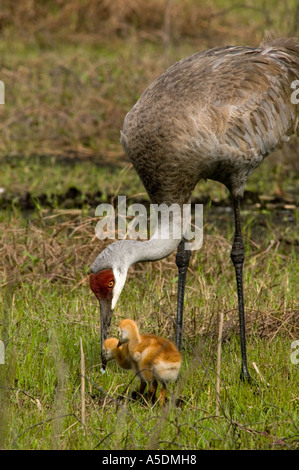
(215, 115)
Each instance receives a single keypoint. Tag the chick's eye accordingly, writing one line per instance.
(111, 284)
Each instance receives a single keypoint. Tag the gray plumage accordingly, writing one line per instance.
(214, 115)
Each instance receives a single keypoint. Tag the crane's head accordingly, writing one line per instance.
(102, 285)
(109, 272)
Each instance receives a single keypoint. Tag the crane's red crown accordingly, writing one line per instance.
(102, 284)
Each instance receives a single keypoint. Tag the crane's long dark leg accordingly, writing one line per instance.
(182, 262)
(237, 256)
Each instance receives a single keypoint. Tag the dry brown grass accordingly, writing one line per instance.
(59, 248)
(157, 19)
(164, 20)
(55, 247)
(73, 69)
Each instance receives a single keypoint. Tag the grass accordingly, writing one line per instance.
(69, 82)
(47, 307)
(42, 395)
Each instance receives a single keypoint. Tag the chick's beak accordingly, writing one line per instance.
(106, 315)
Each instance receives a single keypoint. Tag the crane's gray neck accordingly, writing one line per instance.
(119, 256)
(122, 254)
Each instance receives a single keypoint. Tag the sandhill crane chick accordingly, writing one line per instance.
(156, 359)
(120, 354)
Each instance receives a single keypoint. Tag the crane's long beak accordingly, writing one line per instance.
(106, 315)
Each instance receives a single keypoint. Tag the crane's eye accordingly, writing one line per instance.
(111, 284)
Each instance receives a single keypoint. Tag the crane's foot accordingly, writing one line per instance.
(245, 376)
